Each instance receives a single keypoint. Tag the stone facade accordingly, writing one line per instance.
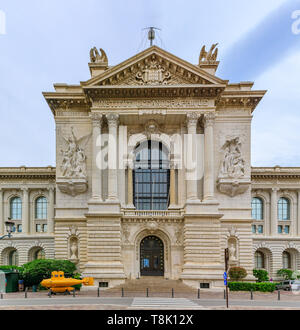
(204, 123)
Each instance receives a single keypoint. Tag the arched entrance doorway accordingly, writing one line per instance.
(152, 256)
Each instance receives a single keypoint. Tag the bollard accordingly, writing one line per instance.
(98, 292)
(122, 292)
(26, 290)
(1, 295)
(278, 294)
(147, 293)
(198, 293)
(251, 295)
(74, 291)
(172, 293)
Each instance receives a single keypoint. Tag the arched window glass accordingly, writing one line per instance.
(286, 260)
(39, 254)
(16, 208)
(13, 258)
(259, 260)
(41, 208)
(257, 208)
(283, 209)
(151, 176)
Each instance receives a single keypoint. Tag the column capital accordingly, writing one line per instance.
(25, 189)
(96, 118)
(192, 119)
(274, 190)
(112, 119)
(209, 119)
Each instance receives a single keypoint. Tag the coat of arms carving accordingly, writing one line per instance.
(153, 74)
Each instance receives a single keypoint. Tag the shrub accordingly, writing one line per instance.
(245, 286)
(36, 271)
(261, 275)
(77, 276)
(237, 273)
(287, 274)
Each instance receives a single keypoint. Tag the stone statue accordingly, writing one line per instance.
(74, 159)
(233, 165)
(74, 249)
(210, 56)
(232, 252)
(96, 57)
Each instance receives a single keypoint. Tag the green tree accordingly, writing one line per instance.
(261, 275)
(286, 274)
(237, 273)
(37, 270)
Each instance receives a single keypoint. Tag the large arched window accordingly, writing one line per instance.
(151, 176)
(259, 260)
(257, 208)
(283, 209)
(286, 260)
(16, 208)
(41, 208)
(13, 258)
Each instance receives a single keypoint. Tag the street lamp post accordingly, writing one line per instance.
(10, 228)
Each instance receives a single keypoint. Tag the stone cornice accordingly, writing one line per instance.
(240, 99)
(173, 91)
(29, 173)
(276, 172)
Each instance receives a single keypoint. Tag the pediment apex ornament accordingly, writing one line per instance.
(210, 56)
(153, 73)
(231, 179)
(97, 58)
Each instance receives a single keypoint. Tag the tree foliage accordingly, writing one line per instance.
(261, 275)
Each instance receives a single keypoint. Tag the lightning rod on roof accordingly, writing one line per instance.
(151, 33)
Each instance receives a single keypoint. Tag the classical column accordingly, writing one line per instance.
(96, 163)
(113, 120)
(2, 221)
(191, 157)
(172, 187)
(130, 187)
(51, 211)
(274, 218)
(25, 211)
(209, 184)
(298, 214)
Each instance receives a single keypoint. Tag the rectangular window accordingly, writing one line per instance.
(253, 229)
(38, 228)
(19, 228)
(287, 229)
(204, 285)
(45, 228)
(260, 229)
(279, 229)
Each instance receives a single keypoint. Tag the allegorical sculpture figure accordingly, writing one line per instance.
(232, 252)
(96, 57)
(74, 159)
(233, 165)
(210, 56)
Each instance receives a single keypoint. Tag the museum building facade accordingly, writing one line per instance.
(153, 178)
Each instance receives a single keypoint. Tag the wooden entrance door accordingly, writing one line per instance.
(152, 256)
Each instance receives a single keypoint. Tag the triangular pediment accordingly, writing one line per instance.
(153, 67)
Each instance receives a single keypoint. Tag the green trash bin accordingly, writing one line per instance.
(12, 279)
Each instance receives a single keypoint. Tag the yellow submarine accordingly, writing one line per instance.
(58, 283)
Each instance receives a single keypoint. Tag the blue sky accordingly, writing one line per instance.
(48, 42)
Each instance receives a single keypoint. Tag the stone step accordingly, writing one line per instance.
(154, 284)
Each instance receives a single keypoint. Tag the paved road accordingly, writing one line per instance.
(142, 303)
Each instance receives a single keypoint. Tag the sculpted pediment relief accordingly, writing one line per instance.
(154, 67)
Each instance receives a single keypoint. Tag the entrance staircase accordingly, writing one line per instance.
(156, 285)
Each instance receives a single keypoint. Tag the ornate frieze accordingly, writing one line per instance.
(153, 74)
(178, 103)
